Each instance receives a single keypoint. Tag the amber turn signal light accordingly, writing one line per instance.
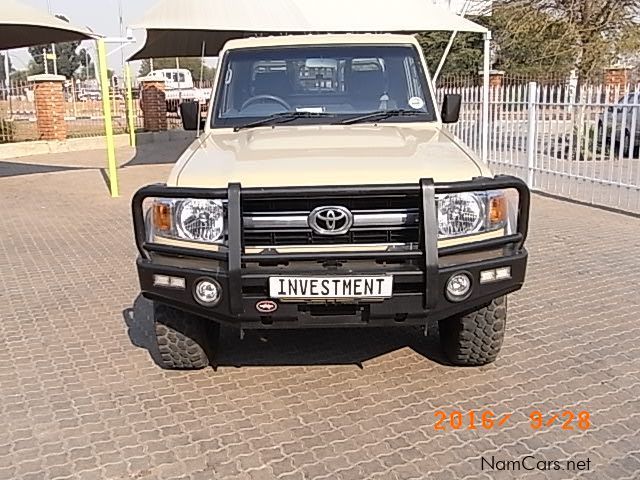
(162, 216)
(498, 209)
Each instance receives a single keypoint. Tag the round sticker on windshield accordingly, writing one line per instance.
(416, 103)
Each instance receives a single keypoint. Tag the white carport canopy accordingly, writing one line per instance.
(23, 26)
(179, 28)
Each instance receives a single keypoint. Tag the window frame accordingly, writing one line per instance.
(216, 122)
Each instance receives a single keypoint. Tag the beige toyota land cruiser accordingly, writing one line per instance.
(325, 191)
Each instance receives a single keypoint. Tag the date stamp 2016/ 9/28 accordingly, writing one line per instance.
(488, 420)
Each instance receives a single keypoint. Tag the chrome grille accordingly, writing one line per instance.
(284, 222)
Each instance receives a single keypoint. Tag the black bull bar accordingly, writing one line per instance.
(428, 252)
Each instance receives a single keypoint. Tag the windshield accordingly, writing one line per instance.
(333, 82)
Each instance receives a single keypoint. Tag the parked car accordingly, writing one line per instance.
(327, 192)
(85, 95)
(622, 123)
(179, 87)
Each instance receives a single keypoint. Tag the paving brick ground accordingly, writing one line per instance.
(81, 396)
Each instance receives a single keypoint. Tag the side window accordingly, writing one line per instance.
(413, 78)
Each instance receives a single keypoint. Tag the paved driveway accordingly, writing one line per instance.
(81, 396)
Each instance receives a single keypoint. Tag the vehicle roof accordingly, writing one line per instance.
(321, 39)
(161, 70)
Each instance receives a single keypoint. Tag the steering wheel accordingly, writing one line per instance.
(270, 98)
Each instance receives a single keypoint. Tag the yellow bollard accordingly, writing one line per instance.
(108, 125)
(130, 112)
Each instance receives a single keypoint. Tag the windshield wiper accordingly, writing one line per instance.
(381, 115)
(283, 117)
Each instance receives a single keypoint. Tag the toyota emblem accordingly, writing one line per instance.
(331, 220)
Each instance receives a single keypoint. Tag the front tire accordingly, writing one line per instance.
(476, 338)
(185, 341)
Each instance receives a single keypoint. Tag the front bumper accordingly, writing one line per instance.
(420, 276)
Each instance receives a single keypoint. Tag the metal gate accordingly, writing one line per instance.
(581, 145)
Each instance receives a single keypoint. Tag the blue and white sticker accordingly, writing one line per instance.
(416, 103)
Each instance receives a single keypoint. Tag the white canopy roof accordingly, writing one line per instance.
(23, 26)
(178, 28)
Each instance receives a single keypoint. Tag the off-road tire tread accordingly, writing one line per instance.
(475, 339)
(185, 341)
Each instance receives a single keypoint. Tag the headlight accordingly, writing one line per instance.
(468, 213)
(200, 220)
(197, 220)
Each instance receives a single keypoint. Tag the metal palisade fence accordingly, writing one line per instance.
(578, 143)
(83, 110)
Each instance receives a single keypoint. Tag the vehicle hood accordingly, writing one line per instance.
(325, 155)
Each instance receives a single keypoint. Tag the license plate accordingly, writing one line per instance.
(313, 288)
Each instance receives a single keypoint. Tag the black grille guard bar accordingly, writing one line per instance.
(426, 189)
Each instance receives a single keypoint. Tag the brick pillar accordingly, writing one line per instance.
(616, 80)
(154, 104)
(50, 106)
(496, 78)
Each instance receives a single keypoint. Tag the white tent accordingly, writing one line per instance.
(23, 26)
(179, 28)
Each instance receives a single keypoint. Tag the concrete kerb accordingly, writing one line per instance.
(9, 151)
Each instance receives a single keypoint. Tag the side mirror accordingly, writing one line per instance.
(451, 108)
(190, 114)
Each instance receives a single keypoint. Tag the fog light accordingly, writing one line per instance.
(207, 292)
(458, 287)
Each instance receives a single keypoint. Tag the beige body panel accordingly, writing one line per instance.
(325, 155)
(321, 155)
(321, 39)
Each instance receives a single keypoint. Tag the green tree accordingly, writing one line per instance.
(68, 58)
(534, 47)
(593, 32)
(192, 64)
(19, 76)
(542, 45)
(464, 58)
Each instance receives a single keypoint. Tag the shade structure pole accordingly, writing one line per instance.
(485, 97)
(447, 50)
(452, 39)
(108, 125)
(130, 110)
(200, 100)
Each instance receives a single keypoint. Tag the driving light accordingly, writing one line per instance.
(169, 282)
(459, 287)
(207, 292)
(200, 220)
(503, 273)
(489, 276)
